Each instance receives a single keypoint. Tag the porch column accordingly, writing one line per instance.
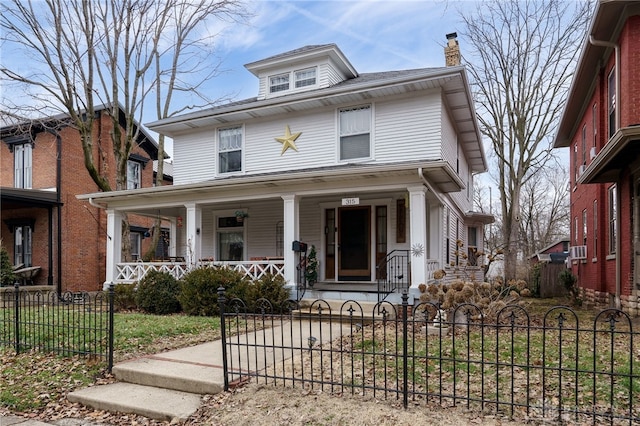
(418, 234)
(291, 232)
(193, 226)
(114, 246)
(436, 220)
(173, 237)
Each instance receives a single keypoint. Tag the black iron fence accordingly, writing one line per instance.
(71, 323)
(547, 368)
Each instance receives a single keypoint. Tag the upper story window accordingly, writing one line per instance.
(611, 98)
(306, 77)
(355, 132)
(613, 209)
(230, 150)
(23, 165)
(134, 174)
(279, 83)
(594, 124)
(584, 145)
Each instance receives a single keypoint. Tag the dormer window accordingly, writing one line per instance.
(279, 83)
(306, 77)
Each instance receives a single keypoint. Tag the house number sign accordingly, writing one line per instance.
(351, 201)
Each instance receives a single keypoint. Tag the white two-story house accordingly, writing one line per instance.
(374, 170)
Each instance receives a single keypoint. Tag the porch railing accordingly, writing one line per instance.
(128, 273)
(393, 273)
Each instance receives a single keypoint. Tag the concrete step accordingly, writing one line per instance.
(155, 403)
(343, 310)
(168, 374)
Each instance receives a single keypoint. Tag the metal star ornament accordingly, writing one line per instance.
(288, 140)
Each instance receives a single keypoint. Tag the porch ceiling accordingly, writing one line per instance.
(340, 180)
(622, 150)
(17, 198)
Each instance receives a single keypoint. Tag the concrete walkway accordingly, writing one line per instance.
(169, 385)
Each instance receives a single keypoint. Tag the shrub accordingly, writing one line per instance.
(269, 287)
(7, 277)
(157, 293)
(124, 297)
(199, 291)
(570, 282)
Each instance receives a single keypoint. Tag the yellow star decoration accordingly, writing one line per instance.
(288, 140)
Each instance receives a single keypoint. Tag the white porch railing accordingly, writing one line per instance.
(432, 266)
(128, 273)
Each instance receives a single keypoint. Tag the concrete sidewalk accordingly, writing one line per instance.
(170, 385)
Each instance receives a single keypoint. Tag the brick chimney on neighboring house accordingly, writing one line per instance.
(452, 51)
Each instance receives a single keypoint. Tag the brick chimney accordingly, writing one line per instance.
(452, 50)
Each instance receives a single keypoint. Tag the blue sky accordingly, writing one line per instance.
(374, 36)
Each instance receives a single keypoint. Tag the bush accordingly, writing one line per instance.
(269, 287)
(7, 277)
(157, 293)
(199, 292)
(124, 297)
(570, 282)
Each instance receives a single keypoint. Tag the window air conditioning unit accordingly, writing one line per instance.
(592, 152)
(578, 252)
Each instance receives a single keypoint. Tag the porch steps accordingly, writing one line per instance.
(343, 310)
(167, 386)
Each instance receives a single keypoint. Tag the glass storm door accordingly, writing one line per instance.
(354, 243)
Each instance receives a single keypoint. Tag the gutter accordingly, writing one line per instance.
(616, 48)
(96, 205)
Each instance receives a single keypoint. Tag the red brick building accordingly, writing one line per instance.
(601, 128)
(43, 225)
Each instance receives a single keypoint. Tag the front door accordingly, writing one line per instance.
(354, 243)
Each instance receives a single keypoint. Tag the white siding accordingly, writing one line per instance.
(194, 157)
(449, 140)
(316, 145)
(262, 225)
(408, 129)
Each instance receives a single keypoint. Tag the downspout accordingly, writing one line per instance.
(616, 48)
(429, 187)
(59, 199)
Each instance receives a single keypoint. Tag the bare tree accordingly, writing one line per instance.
(113, 53)
(522, 58)
(545, 210)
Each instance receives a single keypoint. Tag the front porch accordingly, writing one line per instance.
(370, 291)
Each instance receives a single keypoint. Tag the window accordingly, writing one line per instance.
(230, 150)
(136, 244)
(355, 127)
(613, 208)
(22, 245)
(576, 237)
(23, 165)
(612, 102)
(305, 77)
(584, 227)
(230, 239)
(594, 124)
(575, 164)
(595, 229)
(134, 180)
(279, 83)
(584, 145)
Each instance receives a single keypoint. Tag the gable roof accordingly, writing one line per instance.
(59, 121)
(606, 25)
(304, 54)
(452, 80)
